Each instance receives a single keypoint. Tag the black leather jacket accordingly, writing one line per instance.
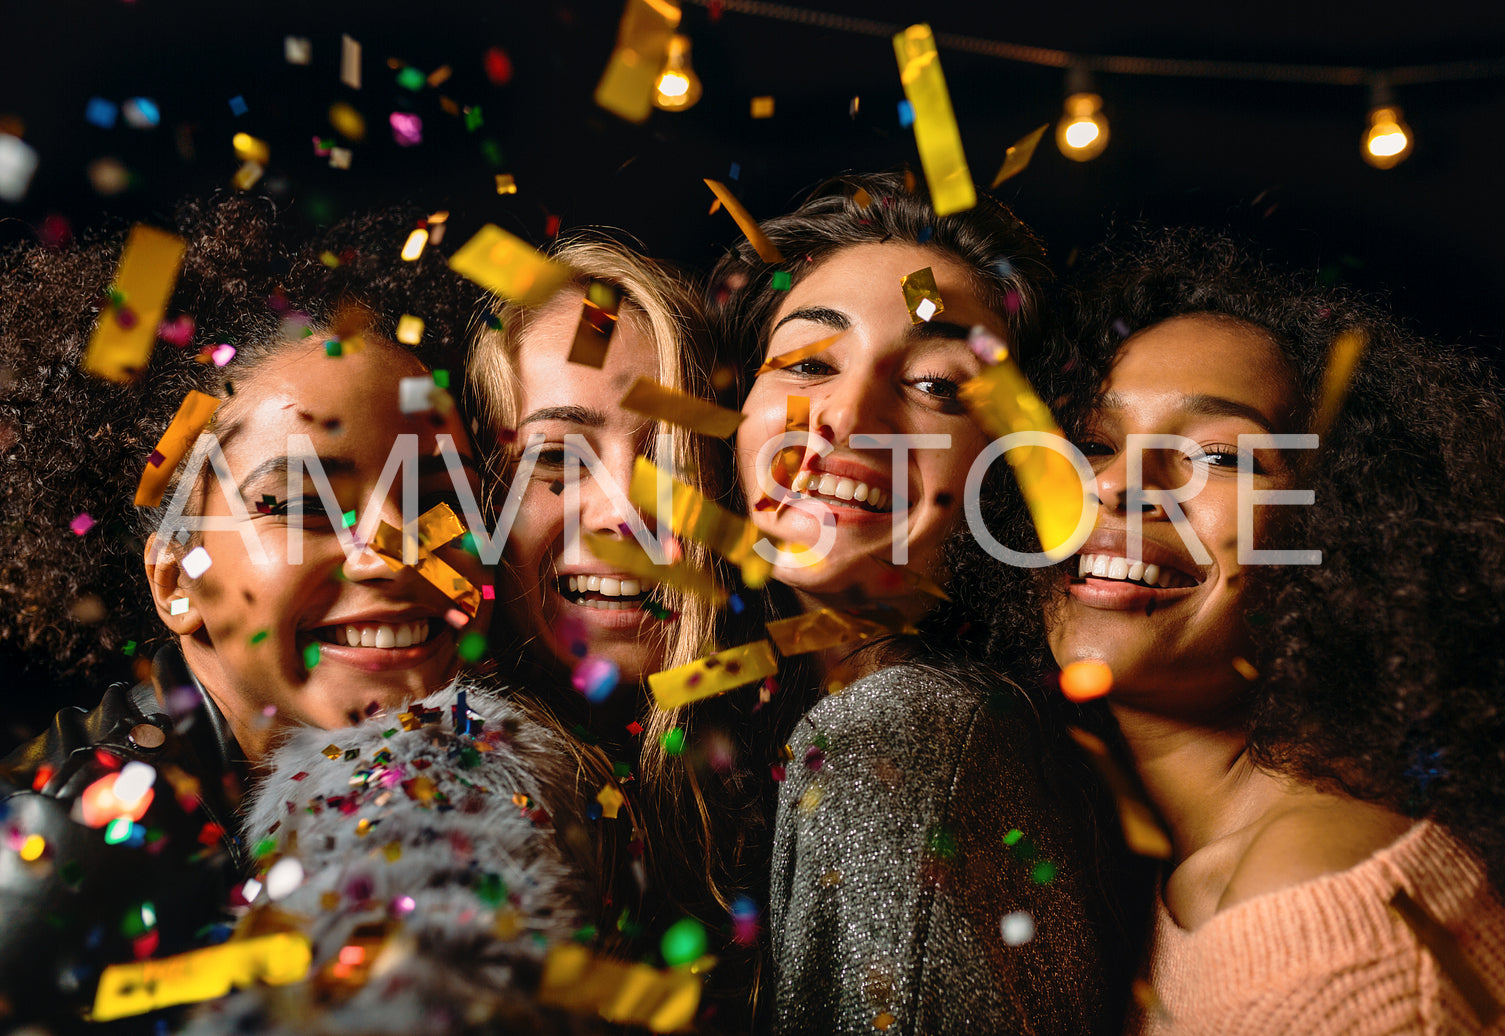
(95, 897)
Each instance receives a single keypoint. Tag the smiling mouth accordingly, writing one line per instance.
(607, 593)
(842, 492)
(1119, 569)
(374, 634)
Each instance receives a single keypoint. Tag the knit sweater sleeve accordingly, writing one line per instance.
(912, 821)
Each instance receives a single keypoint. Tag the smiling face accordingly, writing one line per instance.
(252, 626)
(1173, 643)
(561, 601)
(884, 374)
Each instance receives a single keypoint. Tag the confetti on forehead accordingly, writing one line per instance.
(766, 249)
(508, 266)
(714, 674)
(626, 87)
(921, 296)
(598, 320)
(123, 339)
(661, 403)
(1018, 156)
(935, 131)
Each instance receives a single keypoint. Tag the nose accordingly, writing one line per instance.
(851, 402)
(368, 564)
(1112, 483)
(604, 505)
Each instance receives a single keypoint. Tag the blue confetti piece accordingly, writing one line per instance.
(101, 113)
(142, 112)
(924, 234)
(735, 171)
(736, 604)
(238, 105)
(906, 113)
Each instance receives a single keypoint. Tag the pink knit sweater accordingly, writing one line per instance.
(1331, 956)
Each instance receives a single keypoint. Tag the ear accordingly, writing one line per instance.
(164, 571)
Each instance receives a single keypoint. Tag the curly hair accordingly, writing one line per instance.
(72, 604)
(1381, 668)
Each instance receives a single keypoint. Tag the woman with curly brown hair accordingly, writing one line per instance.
(1311, 695)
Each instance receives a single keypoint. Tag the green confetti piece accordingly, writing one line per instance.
(265, 847)
(129, 650)
(1044, 872)
(492, 152)
(781, 280)
(117, 830)
(472, 647)
(412, 79)
(1013, 837)
(673, 741)
(260, 635)
(311, 656)
(942, 843)
(490, 889)
(473, 118)
(683, 942)
(441, 378)
(348, 518)
(620, 769)
(333, 348)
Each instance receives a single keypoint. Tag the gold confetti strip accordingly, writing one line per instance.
(1443, 945)
(436, 527)
(508, 266)
(625, 554)
(1017, 157)
(766, 249)
(661, 403)
(1002, 400)
(817, 630)
(123, 339)
(695, 516)
(935, 132)
(921, 296)
(794, 356)
(917, 580)
(1342, 360)
(1246, 669)
(796, 413)
(713, 675)
(629, 994)
(192, 417)
(189, 978)
(626, 87)
(598, 319)
(1142, 832)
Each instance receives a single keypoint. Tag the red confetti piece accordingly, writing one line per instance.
(498, 66)
(210, 834)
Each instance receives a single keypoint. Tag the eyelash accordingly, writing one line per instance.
(1092, 448)
(802, 370)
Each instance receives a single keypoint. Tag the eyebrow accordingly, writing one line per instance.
(1204, 405)
(839, 321)
(273, 465)
(572, 414)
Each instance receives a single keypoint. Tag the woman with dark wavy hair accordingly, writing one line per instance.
(934, 856)
(1323, 734)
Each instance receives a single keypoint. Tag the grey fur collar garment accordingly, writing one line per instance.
(421, 825)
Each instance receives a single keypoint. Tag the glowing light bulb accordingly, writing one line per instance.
(1387, 142)
(1082, 133)
(678, 87)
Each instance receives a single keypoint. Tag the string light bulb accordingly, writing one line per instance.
(677, 87)
(1082, 133)
(1387, 141)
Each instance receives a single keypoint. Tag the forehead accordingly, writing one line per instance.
(863, 281)
(1204, 354)
(548, 378)
(346, 401)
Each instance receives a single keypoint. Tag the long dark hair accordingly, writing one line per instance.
(1381, 669)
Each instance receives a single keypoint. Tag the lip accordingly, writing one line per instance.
(1115, 543)
(597, 618)
(413, 614)
(843, 467)
(379, 660)
(1117, 595)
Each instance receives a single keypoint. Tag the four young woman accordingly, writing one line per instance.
(935, 853)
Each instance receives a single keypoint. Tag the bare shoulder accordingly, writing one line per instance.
(1309, 839)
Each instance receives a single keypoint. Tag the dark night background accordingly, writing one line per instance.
(1274, 160)
(1280, 162)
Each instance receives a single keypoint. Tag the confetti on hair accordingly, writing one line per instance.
(123, 339)
(191, 418)
(661, 403)
(935, 131)
(508, 266)
(598, 319)
(715, 674)
(1017, 157)
(766, 249)
(1342, 360)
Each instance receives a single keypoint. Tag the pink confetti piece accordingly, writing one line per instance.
(82, 524)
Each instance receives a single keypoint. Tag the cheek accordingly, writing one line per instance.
(540, 523)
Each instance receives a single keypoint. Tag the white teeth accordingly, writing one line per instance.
(1118, 568)
(1106, 566)
(352, 636)
(593, 583)
(611, 587)
(383, 635)
(845, 488)
(1084, 566)
(802, 481)
(828, 485)
(812, 483)
(368, 637)
(631, 588)
(1100, 565)
(572, 583)
(1136, 570)
(859, 492)
(1152, 575)
(386, 637)
(404, 635)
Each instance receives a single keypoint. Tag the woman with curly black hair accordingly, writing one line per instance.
(933, 862)
(1311, 694)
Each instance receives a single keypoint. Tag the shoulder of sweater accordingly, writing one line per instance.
(1309, 841)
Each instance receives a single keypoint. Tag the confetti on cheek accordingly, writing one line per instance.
(197, 562)
(596, 678)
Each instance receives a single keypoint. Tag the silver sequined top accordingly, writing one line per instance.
(932, 868)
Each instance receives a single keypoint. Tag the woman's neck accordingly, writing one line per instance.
(1198, 774)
